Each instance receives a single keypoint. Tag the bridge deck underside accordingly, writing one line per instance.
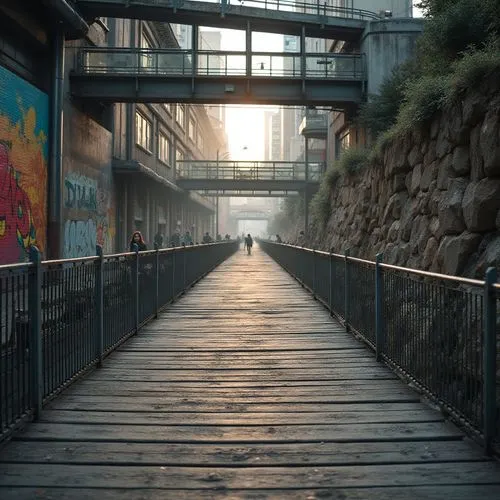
(241, 90)
(242, 185)
(245, 388)
(236, 17)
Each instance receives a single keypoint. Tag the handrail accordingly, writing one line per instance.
(63, 318)
(211, 63)
(440, 332)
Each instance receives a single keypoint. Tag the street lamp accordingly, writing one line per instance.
(224, 156)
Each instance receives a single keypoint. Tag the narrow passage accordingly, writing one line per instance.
(244, 388)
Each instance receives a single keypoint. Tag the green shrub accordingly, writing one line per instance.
(455, 27)
(423, 98)
(353, 160)
(381, 111)
(474, 67)
(332, 175)
(320, 207)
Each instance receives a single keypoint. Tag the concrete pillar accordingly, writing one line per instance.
(386, 44)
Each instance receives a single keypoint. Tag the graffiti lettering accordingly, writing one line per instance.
(17, 231)
(81, 237)
(81, 193)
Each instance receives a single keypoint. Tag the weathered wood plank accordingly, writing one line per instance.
(437, 492)
(107, 403)
(105, 476)
(230, 455)
(201, 418)
(415, 431)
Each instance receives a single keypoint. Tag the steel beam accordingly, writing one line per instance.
(234, 17)
(216, 90)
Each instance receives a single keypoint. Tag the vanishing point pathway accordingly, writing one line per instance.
(244, 388)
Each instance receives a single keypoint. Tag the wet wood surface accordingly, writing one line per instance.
(244, 388)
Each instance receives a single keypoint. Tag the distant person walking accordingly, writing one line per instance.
(248, 243)
(138, 240)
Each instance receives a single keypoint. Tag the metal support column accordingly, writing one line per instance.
(130, 107)
(303, 61)
(54, 242)
(194, 55)
(248, 48)
(306, 176)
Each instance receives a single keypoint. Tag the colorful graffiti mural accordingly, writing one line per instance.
(23, 167)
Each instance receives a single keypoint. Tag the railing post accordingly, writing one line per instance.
(346, 290)
(35, 321)
(99, 302)
(136, 286)
(489, 359)
(157, 281)
(330, 281)
(173, 274)
(379, 308)
(184, 267)
(314, 275)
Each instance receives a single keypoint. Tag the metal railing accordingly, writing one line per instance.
(317, 8)
(59, 318)
(211, 63)
(438, 331)
(250, 170)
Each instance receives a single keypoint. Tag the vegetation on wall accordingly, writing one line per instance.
(458, 49)
(460, 46)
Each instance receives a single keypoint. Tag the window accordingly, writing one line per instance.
(163, 148)
(179, 114)
(200, 142)
(147, 56)
(143, 134)
(192, 129)
(167, 107)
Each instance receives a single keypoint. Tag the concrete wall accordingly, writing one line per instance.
(386, 44)
(88, 193)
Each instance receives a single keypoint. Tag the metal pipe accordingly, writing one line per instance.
(56, 147)
(69, 15)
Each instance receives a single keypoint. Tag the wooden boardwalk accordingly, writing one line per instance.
(245, 388)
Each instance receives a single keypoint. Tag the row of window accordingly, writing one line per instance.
(144, 138)
(180, 117)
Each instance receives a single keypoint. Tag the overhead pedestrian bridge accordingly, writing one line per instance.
(313, 19)
(207, 76)
(267, 176)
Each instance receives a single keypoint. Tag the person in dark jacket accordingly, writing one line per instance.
(138, 240)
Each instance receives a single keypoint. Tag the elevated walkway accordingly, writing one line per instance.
(244, 388)
(284, 17)
(204, 76)
(260, 176)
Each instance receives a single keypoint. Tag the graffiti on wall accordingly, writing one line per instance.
(90, 204)
(81, 192)
(88, 191)
(23, 167)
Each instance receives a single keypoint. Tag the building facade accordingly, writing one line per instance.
(114, 170)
